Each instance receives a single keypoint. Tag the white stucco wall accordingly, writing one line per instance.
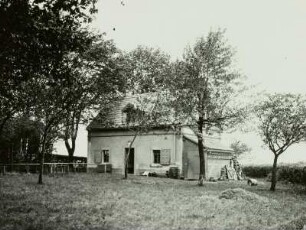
(117, 141)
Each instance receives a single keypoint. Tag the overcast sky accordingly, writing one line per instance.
(269, 37)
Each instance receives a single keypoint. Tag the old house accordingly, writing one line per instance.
(156, 150)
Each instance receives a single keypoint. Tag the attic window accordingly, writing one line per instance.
(131, 114)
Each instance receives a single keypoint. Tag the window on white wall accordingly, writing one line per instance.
(105, 153)
(156, 156)
(161, 156)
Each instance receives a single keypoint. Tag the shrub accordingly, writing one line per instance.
(257, 171)
(291, 173)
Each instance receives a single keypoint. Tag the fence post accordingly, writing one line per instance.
(51, 170)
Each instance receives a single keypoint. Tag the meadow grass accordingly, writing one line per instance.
(105, 201)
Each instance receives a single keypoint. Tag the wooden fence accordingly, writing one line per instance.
(49, 168)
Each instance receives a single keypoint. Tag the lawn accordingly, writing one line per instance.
(104, 201)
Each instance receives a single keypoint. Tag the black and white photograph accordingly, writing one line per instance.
(152, 114)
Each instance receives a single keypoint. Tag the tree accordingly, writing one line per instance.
(48, 36)
(31, 32)
(148, 111)
(240, 148)
(282, 123)
(204, 86)
(19, 57)
(145, 69)
(21, 140)
(99, 80)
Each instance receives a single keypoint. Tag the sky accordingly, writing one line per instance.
(269, 38)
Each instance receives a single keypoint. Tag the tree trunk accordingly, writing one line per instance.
(72, 134)
(274, 170)
(70, 150)
(126, 162)
(202, 153)
(3, 123)
(42, 157)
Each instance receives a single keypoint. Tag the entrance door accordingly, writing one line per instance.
(130, 162)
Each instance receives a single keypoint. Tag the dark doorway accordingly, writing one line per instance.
(130, 162)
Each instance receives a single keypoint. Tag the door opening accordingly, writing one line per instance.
(130, 161)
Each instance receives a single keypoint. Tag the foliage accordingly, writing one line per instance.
(98, 79)
(145, 69)
(204, 86)
(257, 171)
(205, 83)
(293, 174)
(289, 173)
(21, 141)
(45, 39)
(35, 37)
(240, 148)
(148, 111)
(282, 122)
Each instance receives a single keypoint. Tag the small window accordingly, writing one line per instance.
(156, 155)
(132, 115)
(105, 154)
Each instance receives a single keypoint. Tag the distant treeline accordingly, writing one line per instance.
(290, 173)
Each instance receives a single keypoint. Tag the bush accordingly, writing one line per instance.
(257, 171)
(290, 173)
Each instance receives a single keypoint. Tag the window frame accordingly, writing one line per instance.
(103, 155)
(154, 155)
(160, 156)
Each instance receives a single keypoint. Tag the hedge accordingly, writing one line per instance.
(293, 174)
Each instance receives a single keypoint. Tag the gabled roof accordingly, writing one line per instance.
(114, 118)
(111, 117)
(211, 143)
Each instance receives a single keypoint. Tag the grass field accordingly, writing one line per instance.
(99, 201)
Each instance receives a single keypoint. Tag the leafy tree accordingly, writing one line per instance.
(203, 87)
(148, 111)
(282, 123)
(30, 33)
(240, 148)
(49, 36)
(145, 68)
(21, 140)
(19, 57)
(100, 80)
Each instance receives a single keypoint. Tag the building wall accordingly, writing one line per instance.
(191, 159)
(117, 141)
